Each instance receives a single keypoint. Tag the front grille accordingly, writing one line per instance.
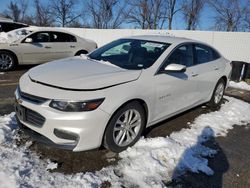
(31, 98)
(34, 118)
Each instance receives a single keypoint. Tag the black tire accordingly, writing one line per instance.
(215, 102)
(81, 52)
(109, 135)
(7, 61)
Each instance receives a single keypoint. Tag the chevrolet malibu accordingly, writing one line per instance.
(111, 95)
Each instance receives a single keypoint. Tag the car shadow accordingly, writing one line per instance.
(218, 163)
(24, 67)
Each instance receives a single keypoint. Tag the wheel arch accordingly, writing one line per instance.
(140, 101)
(224, 78)
(82, 51)
(11, 52)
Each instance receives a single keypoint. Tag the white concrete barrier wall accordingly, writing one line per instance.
(235, 46)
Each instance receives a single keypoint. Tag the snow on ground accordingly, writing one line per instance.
(239, 85)
(147, 164)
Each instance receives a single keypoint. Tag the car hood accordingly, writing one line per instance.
(79, 73)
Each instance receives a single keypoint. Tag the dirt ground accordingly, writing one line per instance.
(231, 164)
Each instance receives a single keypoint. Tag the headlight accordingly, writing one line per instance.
(70, 106)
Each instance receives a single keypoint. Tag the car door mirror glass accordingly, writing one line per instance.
(175, 68)
(28, 40)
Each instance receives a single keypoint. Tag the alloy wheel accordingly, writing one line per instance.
(127, 127)
(218, 93)
(6, 62)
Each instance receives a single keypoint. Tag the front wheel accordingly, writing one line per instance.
(125, 127)
(7, 61)
(218, 93)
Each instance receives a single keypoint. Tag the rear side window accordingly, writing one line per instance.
(216, 55)
(62, 37)
(204, 54)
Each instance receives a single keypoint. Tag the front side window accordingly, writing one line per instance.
(183, 55)
(40, 37)
(130, 53)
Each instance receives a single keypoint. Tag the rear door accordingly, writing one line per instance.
(176, 91)
(62, 45)
(206, 61)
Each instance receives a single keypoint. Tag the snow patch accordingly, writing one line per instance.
(147, 164)
(51, 165)
(16, 34)
(239, 85)
(3, 37)
(7, 181)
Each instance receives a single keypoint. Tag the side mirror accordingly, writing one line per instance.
(175, 68)
(28, 40)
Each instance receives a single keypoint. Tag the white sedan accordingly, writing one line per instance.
(35, 45)
(110, 96)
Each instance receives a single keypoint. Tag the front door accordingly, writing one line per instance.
(176, 91)
(38, 50)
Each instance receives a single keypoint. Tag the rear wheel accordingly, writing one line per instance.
(125, 127)
(7, 61)
(218, 93)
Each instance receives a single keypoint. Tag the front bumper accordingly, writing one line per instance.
(76, 131)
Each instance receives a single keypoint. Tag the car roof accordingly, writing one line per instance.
(37, 29)
(162, 38)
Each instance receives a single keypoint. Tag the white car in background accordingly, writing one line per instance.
(110, 96)
(35, 45)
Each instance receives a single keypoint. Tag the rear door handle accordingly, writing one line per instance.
(216, 68)
(72, 46)
(47, 47)
(194, 75)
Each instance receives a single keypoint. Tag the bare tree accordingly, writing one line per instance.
(13, 11)
(106, 13)
(63, 11)
(23, 10)
(17, 10)
(230, 14)
(191, 10)
(147, 14)
(43, 15)
(247, 17)
(171, 11)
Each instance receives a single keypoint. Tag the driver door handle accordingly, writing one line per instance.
(47, 47)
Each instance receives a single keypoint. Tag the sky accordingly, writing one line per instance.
(178, 23)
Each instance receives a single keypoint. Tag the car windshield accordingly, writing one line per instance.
(130, 54)
(14, 35)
